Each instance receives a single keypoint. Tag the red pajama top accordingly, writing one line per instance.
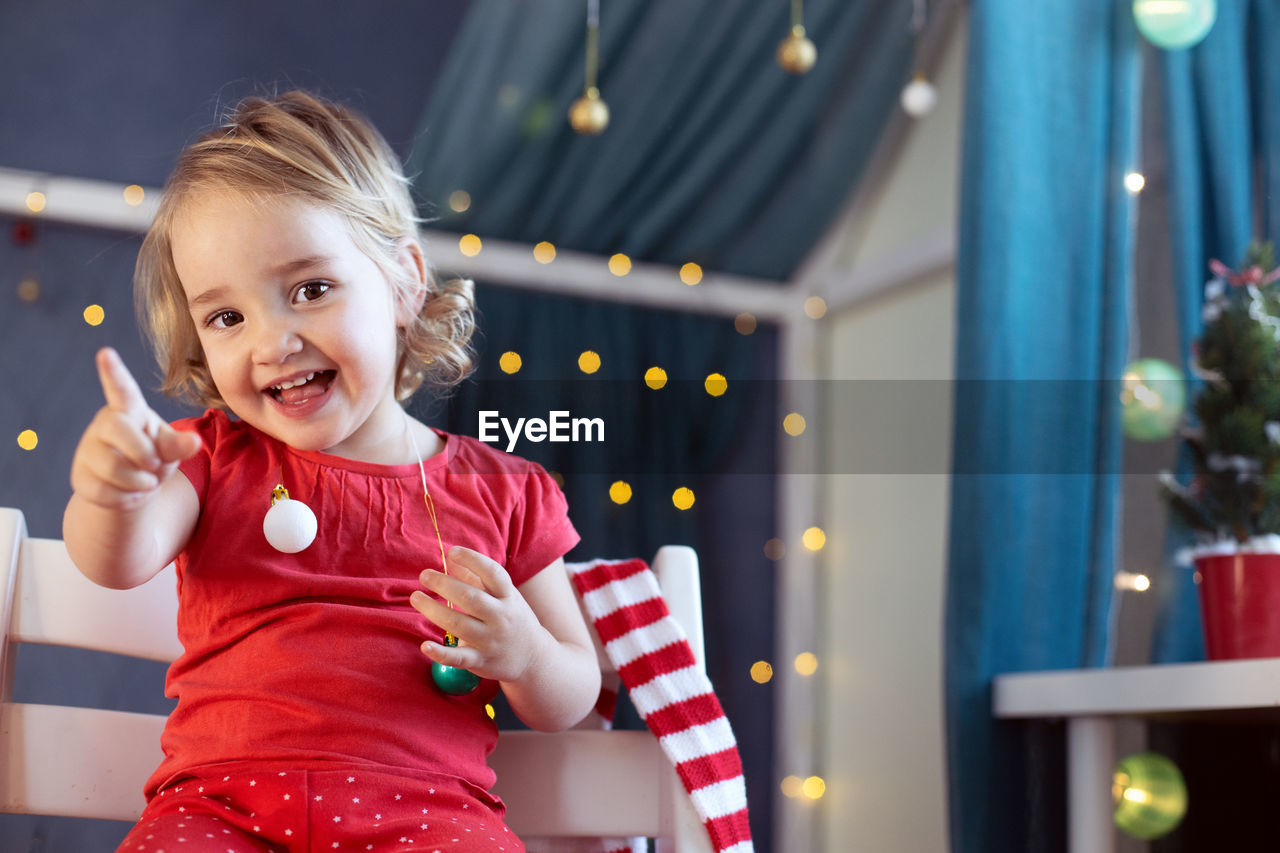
(313, 657)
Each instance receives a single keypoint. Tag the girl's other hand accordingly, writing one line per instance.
(128, 450)
(498, 633)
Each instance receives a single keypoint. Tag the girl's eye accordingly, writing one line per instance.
(224, 319)
(311, 291)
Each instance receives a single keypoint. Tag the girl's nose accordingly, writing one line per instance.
(275, 341)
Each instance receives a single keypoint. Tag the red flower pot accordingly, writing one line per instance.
(1240, 605)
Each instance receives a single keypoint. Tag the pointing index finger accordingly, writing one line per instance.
(118, 385)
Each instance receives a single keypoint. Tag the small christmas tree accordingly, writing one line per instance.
(1235, 440)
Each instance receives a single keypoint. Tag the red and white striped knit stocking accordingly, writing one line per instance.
(670, 691)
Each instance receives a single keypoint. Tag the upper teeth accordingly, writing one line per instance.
(296, 382)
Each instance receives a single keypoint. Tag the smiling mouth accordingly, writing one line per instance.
(303, 388)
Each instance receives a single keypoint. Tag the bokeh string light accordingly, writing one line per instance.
(620, 492)
(1175, 24)
(806, 663)
(510, 362)
(761, 672)
(619, 264)
(794, 424)
(544, 252)
(459, 201)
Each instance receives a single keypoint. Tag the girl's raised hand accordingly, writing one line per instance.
(128, 450)
(499, 635)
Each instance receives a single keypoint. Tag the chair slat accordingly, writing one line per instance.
(56, 605)
(676, 567)
(581, 783)
(13, 531)
(76, 762)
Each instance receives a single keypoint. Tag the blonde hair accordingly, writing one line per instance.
(298, 145)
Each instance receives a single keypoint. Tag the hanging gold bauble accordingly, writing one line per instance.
(796, 54)
(589, 114)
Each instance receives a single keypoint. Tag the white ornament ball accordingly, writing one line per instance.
(290, 526)
(919, 97)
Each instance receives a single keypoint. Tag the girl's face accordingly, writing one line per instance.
(298, 326)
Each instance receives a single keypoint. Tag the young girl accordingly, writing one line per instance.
(283, 281)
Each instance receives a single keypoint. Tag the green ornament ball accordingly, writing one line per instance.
(453, 680)
(1150, 795)
(1153, 396)
(1174, 24)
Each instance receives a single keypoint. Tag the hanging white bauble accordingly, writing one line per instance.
(919, 97)
(290, 526)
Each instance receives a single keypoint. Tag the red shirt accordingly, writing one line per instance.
(313, 657)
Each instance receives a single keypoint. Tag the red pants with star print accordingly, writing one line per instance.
(303, 811)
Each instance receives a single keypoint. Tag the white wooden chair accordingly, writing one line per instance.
(86, 762)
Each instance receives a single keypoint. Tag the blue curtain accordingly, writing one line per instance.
(1046, 239)
(1222, 133)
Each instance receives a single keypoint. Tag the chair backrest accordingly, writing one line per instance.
(91, 762)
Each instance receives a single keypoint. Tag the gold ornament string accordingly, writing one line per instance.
(593, 45)
(449, 639)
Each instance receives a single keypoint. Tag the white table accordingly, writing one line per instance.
(1091, 699)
